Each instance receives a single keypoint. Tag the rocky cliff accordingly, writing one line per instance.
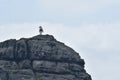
(41, 57)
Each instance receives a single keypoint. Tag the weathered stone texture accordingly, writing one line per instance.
(40, 58)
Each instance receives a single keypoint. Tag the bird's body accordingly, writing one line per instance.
(40, 30)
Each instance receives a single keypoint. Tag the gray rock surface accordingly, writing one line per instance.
(41, 57)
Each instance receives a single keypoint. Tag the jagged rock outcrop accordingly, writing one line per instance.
(40, 58)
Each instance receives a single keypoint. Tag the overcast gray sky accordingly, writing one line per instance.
(90, 27)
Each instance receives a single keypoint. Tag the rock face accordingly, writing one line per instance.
(40, 58)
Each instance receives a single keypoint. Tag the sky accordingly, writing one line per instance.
(90, 27)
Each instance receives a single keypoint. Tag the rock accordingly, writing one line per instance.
(25, 64)
(20, 50)
(21, 75)
(46, 66)
(3, 75)
(8, 65)
(56, 67)
(7, 49)
(46, 76)
(41, 57)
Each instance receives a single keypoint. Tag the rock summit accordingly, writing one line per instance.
(41, 57)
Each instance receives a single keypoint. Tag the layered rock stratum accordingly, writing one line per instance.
(41, 57)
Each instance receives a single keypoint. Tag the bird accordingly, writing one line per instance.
(40, 30)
